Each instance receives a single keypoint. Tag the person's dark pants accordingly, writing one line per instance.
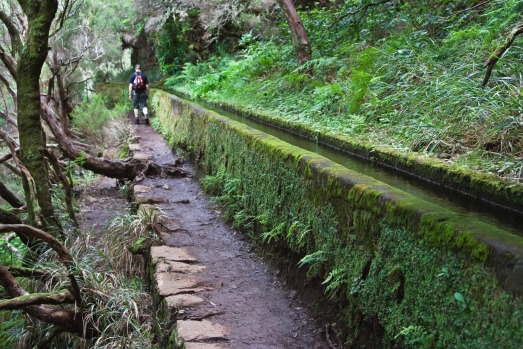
(140, 99)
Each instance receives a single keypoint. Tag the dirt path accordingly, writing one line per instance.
(235, 291)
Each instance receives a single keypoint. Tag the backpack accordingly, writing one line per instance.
(138, 83)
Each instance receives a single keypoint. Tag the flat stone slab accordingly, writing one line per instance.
(134, 147)
(167, 253)
(178, 267)
(192, 345)
(141, 188)
(141, 198)
(172, 284)
(183, 301)
(194, 331)
(141, 156)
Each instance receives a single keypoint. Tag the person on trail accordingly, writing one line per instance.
(139, 92)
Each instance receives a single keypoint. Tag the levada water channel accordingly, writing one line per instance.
(453, 200)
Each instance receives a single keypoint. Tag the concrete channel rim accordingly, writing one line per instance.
(497, 248)
(493, 246)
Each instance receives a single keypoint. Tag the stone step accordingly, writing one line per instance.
(199, 331)
(193, 345)
(183, 301)
(172, 284)
(168, 253)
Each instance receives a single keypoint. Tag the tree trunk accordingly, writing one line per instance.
(64, 115)
(40, 15)
(299, 36)
(110, 168)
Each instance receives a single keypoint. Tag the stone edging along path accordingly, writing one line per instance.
(211, 290)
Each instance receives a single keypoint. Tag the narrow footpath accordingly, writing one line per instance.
(224, 295)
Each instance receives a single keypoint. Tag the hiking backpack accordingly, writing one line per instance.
(138, 82)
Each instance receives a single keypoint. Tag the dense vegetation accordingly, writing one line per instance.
(399, 272)
(403, 74)
(406, 74)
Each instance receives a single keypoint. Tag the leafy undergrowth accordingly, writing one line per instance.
(116, 299)
(406, 75)
(107, 265)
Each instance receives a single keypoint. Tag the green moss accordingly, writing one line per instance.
(390, 258)
(481, 184)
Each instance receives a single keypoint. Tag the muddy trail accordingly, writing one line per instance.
(229, 296)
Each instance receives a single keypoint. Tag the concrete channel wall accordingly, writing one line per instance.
(413, 273)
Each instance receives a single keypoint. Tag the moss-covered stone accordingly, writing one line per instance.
(389, 259)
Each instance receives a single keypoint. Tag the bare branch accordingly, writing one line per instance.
(471, 8)
(9, 62)
(56, 245)
(13, 32)
(60, 250)
(66, 319)
(65, 183)
(10, 89)
(8, 196)
(11, 143)
(5, 157)
(63, 297)
(110, 168)
(494, 58)
(29, 273)
(7, 217)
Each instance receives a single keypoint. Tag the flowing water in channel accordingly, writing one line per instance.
(452, 200)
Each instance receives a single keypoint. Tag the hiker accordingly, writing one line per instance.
(139, 92)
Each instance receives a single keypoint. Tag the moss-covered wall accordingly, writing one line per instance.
(482, 185)
(416, 274)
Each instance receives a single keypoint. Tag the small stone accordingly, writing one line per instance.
(141, 188)
(194, 345)
(134, 147)
(183, 301)
(166, 187)
(141, 156)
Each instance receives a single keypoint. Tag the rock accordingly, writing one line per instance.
(134, 147)
(183, 201)
(166, 187)
(203, 330)
(141, 156)
(183, 301)
(193, 345)
(172, 284)
(168, 253)
(141, 188)
(178, 267)
(146, 199)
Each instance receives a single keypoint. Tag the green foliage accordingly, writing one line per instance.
(91, 116)
(124, 232)
(12, 251)
(400, 74)
(424, 295)
(171, 45)
(12, 330)
(464, 304)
